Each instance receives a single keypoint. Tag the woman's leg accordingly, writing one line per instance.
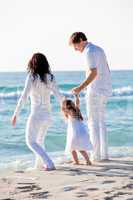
(40, 140)
(32, 130)
(86, 157)
(75, 157)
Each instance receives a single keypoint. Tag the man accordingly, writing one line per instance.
(99, 88)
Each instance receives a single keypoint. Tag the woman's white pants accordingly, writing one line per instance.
(36, 131)
(96, 108)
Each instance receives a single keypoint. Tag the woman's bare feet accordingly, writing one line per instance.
(46, 168)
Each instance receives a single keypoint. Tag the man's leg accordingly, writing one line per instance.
(103, 130)
(93, 124)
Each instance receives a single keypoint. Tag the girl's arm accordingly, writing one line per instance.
(22, 100)
(77, 102)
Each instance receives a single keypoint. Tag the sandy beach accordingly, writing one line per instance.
(104, 180)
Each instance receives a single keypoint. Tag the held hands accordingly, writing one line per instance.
(76, 90)
(14, 120)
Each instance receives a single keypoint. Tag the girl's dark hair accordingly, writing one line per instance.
(70, 106)
(77, 37)
(38, 65)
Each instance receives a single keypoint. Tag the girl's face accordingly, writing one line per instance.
(65, 106)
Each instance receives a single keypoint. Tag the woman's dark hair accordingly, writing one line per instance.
(38, 65)
(77, 37)
(69, 105)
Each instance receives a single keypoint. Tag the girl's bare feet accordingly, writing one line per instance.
(75, 163)
(88, 162)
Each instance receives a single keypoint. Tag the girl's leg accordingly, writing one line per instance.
(86, 157)
(75, 157)
(32, 131)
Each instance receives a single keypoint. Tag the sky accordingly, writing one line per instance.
(30, 26)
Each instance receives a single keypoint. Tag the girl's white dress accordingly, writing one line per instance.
(77, 136)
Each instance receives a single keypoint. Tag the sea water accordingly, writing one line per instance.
(13, 149)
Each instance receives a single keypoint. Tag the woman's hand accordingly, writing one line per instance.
(14, 120)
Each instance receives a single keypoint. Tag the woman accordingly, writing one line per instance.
(38, 85)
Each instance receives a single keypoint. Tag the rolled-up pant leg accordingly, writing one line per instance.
(93, 124)
(33, 130)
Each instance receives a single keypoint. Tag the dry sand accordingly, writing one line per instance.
(110, 180)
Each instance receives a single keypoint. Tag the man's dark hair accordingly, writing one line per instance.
(77, 37)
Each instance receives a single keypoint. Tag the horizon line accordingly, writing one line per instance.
(68, 70)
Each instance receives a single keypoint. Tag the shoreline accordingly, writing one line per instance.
(103, 181)
(21, 162)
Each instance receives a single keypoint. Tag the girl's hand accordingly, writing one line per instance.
(14, 120)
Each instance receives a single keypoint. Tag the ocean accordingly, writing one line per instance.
(14, 152)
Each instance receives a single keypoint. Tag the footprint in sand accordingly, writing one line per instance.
(28, 187)
(69, 188)
(7, 199)
(108, 192)
(118, 194)
(91, 189)
(130, 186)
(25, 183)
(107, 182)
(108, 198)
(81, 194)
(40, 195)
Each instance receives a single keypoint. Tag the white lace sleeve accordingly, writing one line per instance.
(24, 96)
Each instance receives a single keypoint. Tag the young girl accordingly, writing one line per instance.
(77, 133)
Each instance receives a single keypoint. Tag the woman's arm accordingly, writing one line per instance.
(22, 100)
(56, 91)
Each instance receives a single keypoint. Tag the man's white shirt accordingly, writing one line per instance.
(95, 58)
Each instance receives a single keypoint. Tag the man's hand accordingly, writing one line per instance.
(14, 120)
(76, 90)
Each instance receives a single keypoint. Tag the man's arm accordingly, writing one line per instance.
(83, 85)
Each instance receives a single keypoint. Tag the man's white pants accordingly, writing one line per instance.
(96, 108)
(35, 133)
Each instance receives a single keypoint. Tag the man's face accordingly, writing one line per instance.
(79, 46)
